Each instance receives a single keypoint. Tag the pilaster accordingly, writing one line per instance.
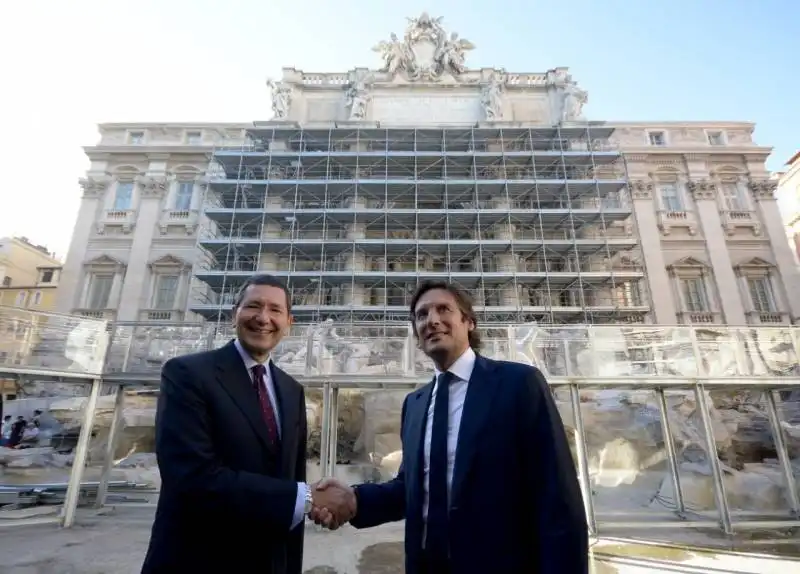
(661, 300)
(704, 192)
(69, 288)
(764, 194)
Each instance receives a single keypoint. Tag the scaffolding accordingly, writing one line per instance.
(653, 375)
(533, 222)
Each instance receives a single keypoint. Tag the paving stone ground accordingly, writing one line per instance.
(114, 542)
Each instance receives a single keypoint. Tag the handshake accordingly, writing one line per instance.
(334, 503)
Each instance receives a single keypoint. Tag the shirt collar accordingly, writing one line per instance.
(249, 362)
(463, 366)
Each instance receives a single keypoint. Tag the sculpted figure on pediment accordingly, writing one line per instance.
(426, 52)
(395, 54)
(451, 54)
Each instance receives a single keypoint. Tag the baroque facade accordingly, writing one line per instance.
(365, 182)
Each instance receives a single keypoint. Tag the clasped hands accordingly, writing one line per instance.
(334, 503)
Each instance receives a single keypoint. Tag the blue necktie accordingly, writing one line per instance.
(437, 538)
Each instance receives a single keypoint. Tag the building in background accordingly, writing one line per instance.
(30, 281)
(20, 260)
(30, 274)
(367, 181)
(789, 202)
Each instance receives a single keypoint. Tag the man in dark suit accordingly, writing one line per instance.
(487, 482)
(231, 449)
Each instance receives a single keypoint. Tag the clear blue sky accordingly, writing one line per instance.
(74, 64)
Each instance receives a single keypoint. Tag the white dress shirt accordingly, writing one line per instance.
(249, 363)
(462, 371)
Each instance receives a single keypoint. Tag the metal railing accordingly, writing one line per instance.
(640, 403)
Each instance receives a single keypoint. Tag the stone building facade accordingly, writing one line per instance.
(644, 222)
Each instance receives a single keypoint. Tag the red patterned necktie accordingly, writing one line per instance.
(259, 374)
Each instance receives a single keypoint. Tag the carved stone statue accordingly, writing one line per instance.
(357, 99)
(423, 26)
(425, 53)
(395, 55)
(281, 99)
(491, 100)
(574, 99)
(451, 54)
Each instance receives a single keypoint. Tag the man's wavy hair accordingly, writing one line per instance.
(463, 301)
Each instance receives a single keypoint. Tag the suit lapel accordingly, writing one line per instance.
(477, 407)
(416, 415)
(288, 397)
(234, 378)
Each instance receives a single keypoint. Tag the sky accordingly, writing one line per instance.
(69, 65)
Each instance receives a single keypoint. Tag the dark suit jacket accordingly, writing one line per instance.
(227, 501)
(515, 503)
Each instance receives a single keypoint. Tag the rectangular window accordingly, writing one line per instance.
(136, 138)
(194, 138)
(761, 295)
(100, 291)
(165, 292)
(47, 276)
(123, 197)
(37, 298)
(715, 138)
(6, 281)
(20, 300)
(657, 138)
(694, 294)
(183, 198)
(733, 197)
(670, 197)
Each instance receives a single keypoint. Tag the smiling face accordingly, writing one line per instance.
(441, 327)
(261, 319)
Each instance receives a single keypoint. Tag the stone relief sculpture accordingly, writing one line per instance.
(574, 99)
(281, 99)
(426, 52)
(491, 100)
(357, 98)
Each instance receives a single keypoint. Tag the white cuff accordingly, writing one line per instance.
(299, 504)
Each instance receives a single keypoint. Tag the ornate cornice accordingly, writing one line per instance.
(153, 186)
(641, 189)
(763, 189)
(702, 189)
(93, 187)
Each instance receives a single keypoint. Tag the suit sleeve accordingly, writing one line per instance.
(294, 552)
(190, 465)
(379, 503)
(562, 538)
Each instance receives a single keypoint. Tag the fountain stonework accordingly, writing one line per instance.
(628, 463)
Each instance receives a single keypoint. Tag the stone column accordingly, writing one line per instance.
(70, 285)
(769, 213)
(658, 285)
(153, 190)
(704, 193)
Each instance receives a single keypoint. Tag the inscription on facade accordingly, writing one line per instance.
(425, 110)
